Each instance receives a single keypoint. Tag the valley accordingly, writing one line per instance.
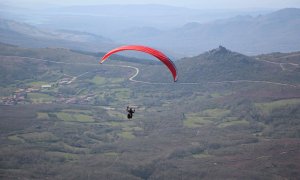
(229, 116)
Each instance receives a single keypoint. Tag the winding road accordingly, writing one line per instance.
(281, 65)
(195, 83)
(137, 71)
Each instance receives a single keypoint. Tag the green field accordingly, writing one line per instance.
(117, 114)
(39, 97)
(202, 155)
(217, 113)
(122, 93)
(112, 154)
(66, 148)
(194, 120)
(98, 80)
(37, 83)
(74, 117)
(209, 116)
(116, 80)
(82, 111)
(42, 115)
(232, 122)
(126, 125)
(267, 108)
(39, 137)
(63, 155)
(16, 138)
(84, 118)
(126, 135)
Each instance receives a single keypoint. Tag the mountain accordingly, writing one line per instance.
(23, 34)
(277, 31)
(221, 64)
(109, 20)
(180, 31)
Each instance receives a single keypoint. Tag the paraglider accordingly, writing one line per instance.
(159, 55)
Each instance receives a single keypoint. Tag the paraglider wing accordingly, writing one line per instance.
(159, 55)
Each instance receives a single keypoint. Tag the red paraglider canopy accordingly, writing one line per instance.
(159, 55)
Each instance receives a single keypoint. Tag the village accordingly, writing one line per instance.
(20, 96)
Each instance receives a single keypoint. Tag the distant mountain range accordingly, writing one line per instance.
(23, 34)
(108, 20)
(273, 32)
(277, 31)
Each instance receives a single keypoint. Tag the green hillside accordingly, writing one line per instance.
(221, 64)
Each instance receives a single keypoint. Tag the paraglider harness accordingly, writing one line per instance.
(130, 112)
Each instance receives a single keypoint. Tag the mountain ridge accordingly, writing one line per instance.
(23, 34)
(223, 65)
(277, 31)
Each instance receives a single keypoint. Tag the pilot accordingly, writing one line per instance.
(130, 112)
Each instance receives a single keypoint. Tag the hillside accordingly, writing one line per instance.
(62, 116)
(285, 58)
(217, 65)
(221, 64)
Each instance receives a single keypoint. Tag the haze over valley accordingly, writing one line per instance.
(179, 31)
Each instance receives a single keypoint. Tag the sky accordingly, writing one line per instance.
(197, 4)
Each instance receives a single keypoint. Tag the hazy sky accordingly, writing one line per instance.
(199, 4)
